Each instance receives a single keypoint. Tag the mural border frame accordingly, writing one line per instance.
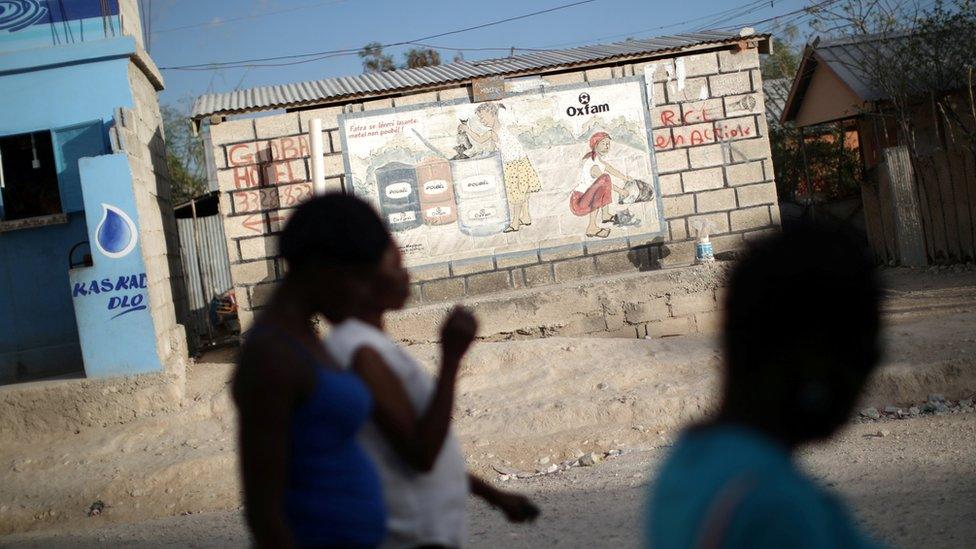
(643, 238)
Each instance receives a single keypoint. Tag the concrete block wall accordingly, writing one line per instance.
(711, 147)
(142, 141)
(130, 22)
(661, 303)
(711, 143)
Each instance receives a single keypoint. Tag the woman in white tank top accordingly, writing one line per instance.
(409, 437)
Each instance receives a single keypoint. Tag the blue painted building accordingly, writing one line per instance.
(90, 279)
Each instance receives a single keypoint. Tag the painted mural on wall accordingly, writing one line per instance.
(111, 296)
(530, 171)
(40, 23)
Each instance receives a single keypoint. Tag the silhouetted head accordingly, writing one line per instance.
(801, 335)
(342, 257)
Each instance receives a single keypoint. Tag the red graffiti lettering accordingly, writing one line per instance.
(240, 155)
(289, 148)
(253, 201)
(693, 116)
(246, 202)
(701, 136)
(667, 118)
(690, 116)
(279, 172)
(246, 177)
(254, 223)
(291, 195)
(728, 132)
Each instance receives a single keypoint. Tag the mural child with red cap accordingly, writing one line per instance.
(594, 192)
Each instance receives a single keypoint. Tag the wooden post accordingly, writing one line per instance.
(806, 171)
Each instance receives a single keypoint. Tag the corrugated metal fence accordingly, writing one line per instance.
(926, 212)
(207, 268)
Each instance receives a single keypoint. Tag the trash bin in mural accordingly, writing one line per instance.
(399, 199)
(481, 200)
(436, 188)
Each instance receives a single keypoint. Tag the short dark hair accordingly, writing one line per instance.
(334, 229)
(812, 290)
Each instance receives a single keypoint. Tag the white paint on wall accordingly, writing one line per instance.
(649, 71)
(679, 69)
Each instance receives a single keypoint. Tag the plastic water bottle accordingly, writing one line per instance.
(703, 250)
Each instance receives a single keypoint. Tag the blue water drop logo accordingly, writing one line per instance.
(116, 235)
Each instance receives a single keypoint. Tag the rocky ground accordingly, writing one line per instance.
(549, 406)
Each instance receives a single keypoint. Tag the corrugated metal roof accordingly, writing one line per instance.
(332, 89)
(776, 90)
(850, 59)
(847, 56)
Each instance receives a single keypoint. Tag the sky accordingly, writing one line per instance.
(186, 32)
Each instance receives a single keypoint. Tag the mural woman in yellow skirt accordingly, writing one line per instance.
(521, 178)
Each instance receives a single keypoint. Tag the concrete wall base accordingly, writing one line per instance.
(58, 408)
(652, 304)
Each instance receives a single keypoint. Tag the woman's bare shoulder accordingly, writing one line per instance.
(264, 362)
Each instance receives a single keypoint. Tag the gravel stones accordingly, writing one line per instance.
(591, 459)
(936, 404)
(870, 413)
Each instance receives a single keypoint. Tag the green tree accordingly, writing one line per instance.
(818, 156)
(420, 57)
(184, 156)
(374, 60)
(785, 58)
(913, 56)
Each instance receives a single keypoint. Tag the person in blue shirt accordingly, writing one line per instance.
(307, 480)
(801, 338)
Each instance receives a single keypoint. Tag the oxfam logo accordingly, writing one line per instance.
(585, 106)
(116, 235)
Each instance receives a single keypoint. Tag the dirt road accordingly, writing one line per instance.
(914, 487)
(522, 403)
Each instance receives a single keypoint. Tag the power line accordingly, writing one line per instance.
(245, 17)
(746, 10)
(262, 65)
(295, 59)
(651, 29)
(806, 10)
(456, 48)
(315, 56)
